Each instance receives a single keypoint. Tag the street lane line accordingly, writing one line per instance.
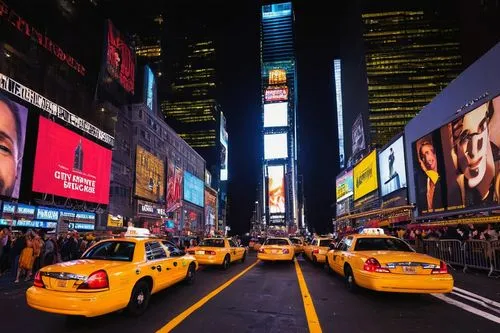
(468, 308)
(180, 318)
(312, 317)
(477, 301)
(484, 299)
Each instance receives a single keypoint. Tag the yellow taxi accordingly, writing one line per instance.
(379, 262)
(316, 251)
(276, 249)
(218, 251)
(113, 274)
(298, 244)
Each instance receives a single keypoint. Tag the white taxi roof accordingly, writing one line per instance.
(372, 231)
(137, 232)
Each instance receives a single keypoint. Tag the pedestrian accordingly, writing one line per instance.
(26, 258)
(18, 243)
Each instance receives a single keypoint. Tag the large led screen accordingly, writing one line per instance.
(458, 165)
(392, 167)
(174, 187)
(120, 60)
(149, 176)
(365, 176)
(193, 189)
(276, 186)
(12, 135)
(224, 148)
(149, 88)
(344, 185)
(210, 207)
(275, 146)
(358, 136)
(276, 115)
(69, 165)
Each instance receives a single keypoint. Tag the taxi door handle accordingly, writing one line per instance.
(158, 268)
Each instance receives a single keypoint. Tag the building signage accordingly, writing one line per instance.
(35, 224)
(81, 226)
(115, 221)
(38, 37)
(277, 76)
(30, 96)
(273, 94)
(25, 211)
(67, 214)
(150, 209)
(85, 217)
(9, 208)
(120, 60)
(49, 214)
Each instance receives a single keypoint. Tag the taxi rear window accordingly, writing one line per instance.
(111, 250)
(381, 244)
(324, 242)
(212, 242)
(276, 241)
(295, 240)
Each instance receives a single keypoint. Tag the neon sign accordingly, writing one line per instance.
(120, 61)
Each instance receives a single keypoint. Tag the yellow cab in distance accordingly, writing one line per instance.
(316, 251)
(113, 274)
(298, 244)
(276, 249)
(218, 251)
(380, 262)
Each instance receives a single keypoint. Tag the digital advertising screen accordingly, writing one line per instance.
(276, 94)
(276, 187)
(365, 176)
(120, 60)
(275, 146)
(194, 189)
(210, 207)
(13, 119)
(149, 176)
(149, 88)
(392, 167)
(358, 136)
(276, 114)
(69, 165)
(458, 165)
(344, 185)
(174, 187)
(224, 148)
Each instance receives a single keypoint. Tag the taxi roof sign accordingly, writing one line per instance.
(137, 232)
(372, 231)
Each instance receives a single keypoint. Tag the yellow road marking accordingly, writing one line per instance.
(180, 318)
(312, 317)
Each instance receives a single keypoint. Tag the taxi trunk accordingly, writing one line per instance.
(399, 262)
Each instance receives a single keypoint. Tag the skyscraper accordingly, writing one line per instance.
(279, 99)
(412, 53)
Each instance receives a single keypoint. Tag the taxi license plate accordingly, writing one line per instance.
(409, 269)
(200, 252)
(62, 283)
(274, 251)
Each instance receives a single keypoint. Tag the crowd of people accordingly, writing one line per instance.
(489, 232)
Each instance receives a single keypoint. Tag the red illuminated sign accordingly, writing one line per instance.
(276, 94)
(120, 61)
(68, 165)
(44, 41)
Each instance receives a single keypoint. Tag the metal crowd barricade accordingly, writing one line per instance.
(495, 249)
(432, 248)
(478, 254)
(451, 251)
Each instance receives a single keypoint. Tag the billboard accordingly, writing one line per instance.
(344, 185)
(275, 146)
(149, 176)
(174, 187)
(277, 76)
(392, 167)
(276, 114)
(224, 148)
(120, 60)
(193, 189)
(69, 165)
(458, 165)
(13, 119)
(210, 207)
(358, 136)
(149, 88)
(276, 94)
(365, 176)
(115, 221)
(276, 187)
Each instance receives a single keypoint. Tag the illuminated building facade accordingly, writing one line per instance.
(280, 206)
(411, 55)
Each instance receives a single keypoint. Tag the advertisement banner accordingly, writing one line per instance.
(344, 185)
(343, 206)
(150, 209)
(275, 146)
(276, 114)
(210, 207)
(26, 212)
(149, 89)
(458, 165)
(358, 136)
(392, 167)
(276, 94)
(193, 189)
(174, 187)
(69, 165)
(365, 176)
(49, 214)
(224, 148)
(277, 76)
(115, 221)
(13, 131)
(276, 188)
(149, 176)
(120, 60)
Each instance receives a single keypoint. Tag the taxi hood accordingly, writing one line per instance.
(84, 266)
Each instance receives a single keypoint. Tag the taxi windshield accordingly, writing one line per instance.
(276, 241)
(381, 244)
(324, 242)
(212, 242)
(111, 250)
(295, 240)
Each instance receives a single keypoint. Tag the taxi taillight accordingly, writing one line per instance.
(316, 251)
(38, 282)
(286, 251)
(443, 268)
(210, 253)
(96, 280)
(372, 265)
(261, 250)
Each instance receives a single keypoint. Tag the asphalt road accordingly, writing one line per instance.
(267, 298)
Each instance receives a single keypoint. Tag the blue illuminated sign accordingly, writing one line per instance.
(9, 208)
(81, 226)
(68, 214)
(277, 10)
(149, 87)
(84, 216)
(26, 210)
(193, 189)
(35, 224)
(50, 214)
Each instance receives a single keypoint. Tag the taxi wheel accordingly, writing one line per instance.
(314, 260)
(350, 283)
(190, 275)
(328, 269)
(139, 299)
(244, 256)
(226, 262)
